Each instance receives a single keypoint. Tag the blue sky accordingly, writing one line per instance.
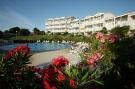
(33, 13)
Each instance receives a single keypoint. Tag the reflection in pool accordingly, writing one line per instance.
(38, 47)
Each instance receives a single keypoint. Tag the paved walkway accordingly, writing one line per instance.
(46, 57)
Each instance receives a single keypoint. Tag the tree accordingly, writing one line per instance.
(24, 32)
(14, 30)
(42, 33)
(36, 31)
(6, 31)
(1, 34)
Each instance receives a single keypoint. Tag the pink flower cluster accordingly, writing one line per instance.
(113, 38)
(47, 76)
(51, 76)
(19, 49)
(100, 36)
(72, 83)
(24, 49)
(8, 55)
(60, 61)
(94, 57)
(60, 77)
(34, 69)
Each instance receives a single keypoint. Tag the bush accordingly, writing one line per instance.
(65, 33)
(59, 76)
(110, 63)
(104, 30)
(24, 32)
(14, 71)
(118, 61)
(123, 71)
(1, 34)
(120, 31)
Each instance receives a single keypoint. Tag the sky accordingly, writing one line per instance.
(34, 13)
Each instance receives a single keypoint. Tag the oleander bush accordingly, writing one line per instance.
(15, 72)
(109, 64)
(61, 75)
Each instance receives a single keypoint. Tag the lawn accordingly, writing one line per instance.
(76, 38)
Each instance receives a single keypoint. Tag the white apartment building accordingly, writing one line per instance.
(94, 23)
(62, 24)
(90, 23)
(74, 28)
(127, 19)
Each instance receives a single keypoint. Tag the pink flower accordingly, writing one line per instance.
(96, 56)
(49, 76)
(113, 38)
(5, 58)
(48, 73)
(46, 85)
(72, 83)
(9, 55)
(60, 61)
(90, 61)
(53, 87)
(100, 46)
(46, 76)
(57, 70)
(102, 39)
(99, 35)
(34, 69)
(61, 77)
(23, 49)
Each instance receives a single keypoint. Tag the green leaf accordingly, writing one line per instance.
(97, 82)
(85, 77)
(81, 56)
(94, 73)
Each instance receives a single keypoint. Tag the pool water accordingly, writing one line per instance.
(38, 47)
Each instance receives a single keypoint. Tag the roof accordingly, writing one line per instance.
(60, 18)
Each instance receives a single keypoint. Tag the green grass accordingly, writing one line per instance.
(54, 38)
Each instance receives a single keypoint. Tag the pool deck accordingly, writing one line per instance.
(46, 57)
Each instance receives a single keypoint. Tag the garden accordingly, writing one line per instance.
(109, 64)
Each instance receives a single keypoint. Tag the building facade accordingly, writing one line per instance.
(90, 23)
(74, 26)
(127, 19)
(62, 24)
(94, 23)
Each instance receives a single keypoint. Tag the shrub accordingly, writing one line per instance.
(120, 31)
(122, 73)
(65, 33)
(104, 30)
(14, 71)
(110, 63)
(60, 75)
(1, 34)
(117, 62)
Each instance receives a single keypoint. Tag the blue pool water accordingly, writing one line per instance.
(38, 47)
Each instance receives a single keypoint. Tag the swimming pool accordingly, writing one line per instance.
(38, 47)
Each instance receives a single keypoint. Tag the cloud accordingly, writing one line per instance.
(10, 16)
